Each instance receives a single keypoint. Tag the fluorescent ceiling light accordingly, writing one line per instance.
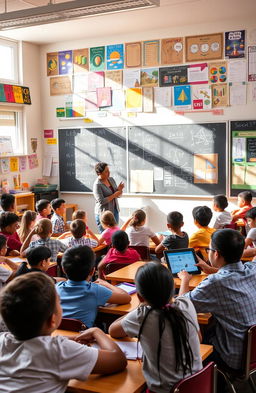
(60, 12)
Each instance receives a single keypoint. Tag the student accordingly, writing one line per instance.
(78, 231)
(221, 216)
(79, 215)
(37, 361)
(26, 225)
(109, 225)
(8, 203)
(44, 230)
(166, 328)
(138, 233)
(39, 261)
(9, 223)
(79, 296)
(6, 275)
(202, 216)
(244, 200)
(119, 252)
(59, 208)
(178, 238)
(43, 208)
(251, 222)
(229, 295)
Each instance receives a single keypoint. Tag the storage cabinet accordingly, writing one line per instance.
(24, 201)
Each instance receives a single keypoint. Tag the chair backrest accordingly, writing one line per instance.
(204, 381)
(232, 225)
(143, 251)
(75, 325)
(250, 351)
(113, 266)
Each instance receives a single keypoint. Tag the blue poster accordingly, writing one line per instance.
(115, 57)
(182, 97)
(65, 62)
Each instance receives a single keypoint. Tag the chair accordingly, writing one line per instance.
(143, 251)
(249, 363)
(113, 266)
(204, 381)
(75, 325)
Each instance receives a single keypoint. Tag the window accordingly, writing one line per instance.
(9, 61)
(10, 122)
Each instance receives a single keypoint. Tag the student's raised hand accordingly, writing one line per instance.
(184, 275)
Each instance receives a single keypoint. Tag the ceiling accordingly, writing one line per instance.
(172, 13)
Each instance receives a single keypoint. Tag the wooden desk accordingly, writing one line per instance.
(127, 274)
(131, 380)
(52, 270)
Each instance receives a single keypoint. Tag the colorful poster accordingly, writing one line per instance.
(2, 94)
(32, 161)
(201, 97)
(60, 112)
(103, 97)
(131, 78)
(78, 106)
(14, 164)
(204, 47)
(114, 79)
(134, 100)
(172, 51)
(60, 85)
(95, 80)
(206, 168)
(26, 95)
(65, 62)
(115, 57)
(219, 95)
(149, 77)
(97, 58)
(18, 96)
(151, 53)
(8, 91)
(81, 60)
(182, 97)
(80, 83)
(198, 73)
(5, 165)
(218, 72)
(235, 44)
(171, 76)
(52, 64)
(48, 133)
(22, 163)
(252, 63)
(133, 54)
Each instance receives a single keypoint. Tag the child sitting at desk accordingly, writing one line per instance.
(108, 223)
(6, 274)
(221, 217)
(166, 328)
(58, 224)
(244, 200)
(78, 230)
(8, 203)
(177, 238)
(43, 208)
(202, 216)
(31, 360)
(9, 223)
(27, 224)
(119, 252)
(44, 230)
(80, 298)
(138, 233)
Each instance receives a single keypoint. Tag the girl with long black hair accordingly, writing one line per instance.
(167, 329)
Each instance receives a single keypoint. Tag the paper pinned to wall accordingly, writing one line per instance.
(238, 174)
(142, 181)
(237, 94)
(158, 173)
(47, 165)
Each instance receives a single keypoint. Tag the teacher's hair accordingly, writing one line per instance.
(99, 167)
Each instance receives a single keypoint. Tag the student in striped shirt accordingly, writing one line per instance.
(78, 230)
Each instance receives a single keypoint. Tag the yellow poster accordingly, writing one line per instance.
(134, 100)
(206, 168)
(14, 164)
(51, 141)
(18, 96)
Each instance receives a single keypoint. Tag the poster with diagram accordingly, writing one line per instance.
(206, 168)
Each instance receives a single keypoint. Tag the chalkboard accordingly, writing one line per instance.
(243, 157)
(185, 159)
(81, 149)
(176, 159)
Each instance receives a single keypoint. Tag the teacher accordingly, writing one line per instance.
(106, 192)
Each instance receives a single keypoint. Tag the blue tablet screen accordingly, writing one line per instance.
(181, 261)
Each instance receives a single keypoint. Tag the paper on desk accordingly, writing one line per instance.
(131, 349)
(16, 259)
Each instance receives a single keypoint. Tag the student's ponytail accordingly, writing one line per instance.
(157, 277)
(138, 217)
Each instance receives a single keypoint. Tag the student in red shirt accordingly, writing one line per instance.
(119, 253)
(244, 200)
(9, 223)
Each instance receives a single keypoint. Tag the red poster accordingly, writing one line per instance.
(9, 93)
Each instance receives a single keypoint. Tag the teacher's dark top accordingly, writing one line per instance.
(101, 193)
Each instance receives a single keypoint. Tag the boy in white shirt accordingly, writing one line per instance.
(221, 216)
(31, 360)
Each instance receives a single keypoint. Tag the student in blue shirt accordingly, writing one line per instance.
(80, 297)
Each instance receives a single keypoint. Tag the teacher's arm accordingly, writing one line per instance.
(101, 198)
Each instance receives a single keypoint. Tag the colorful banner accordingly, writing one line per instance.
(115, 57)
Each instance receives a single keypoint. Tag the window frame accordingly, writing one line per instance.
(15, 46)
(19, 115)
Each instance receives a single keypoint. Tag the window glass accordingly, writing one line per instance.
(9, 61)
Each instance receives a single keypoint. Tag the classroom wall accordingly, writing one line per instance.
(32, 121)
(157, 207)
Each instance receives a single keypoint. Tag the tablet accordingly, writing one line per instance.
(182, 259)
